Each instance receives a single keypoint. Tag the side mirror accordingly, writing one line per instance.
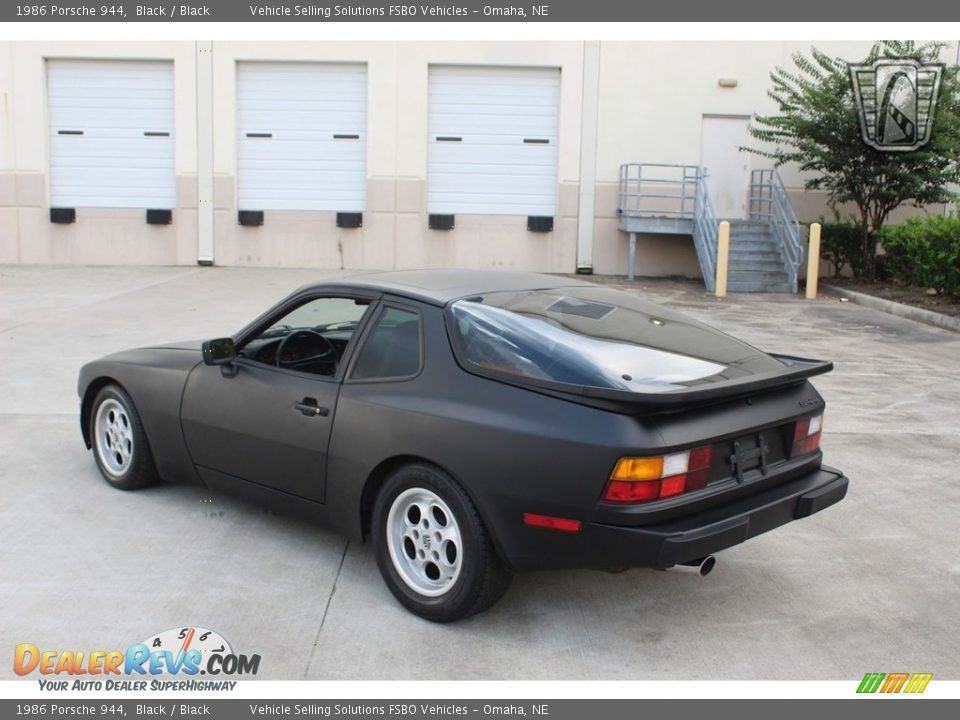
(219, 352)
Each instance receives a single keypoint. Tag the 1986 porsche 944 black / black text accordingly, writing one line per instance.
(472, 424)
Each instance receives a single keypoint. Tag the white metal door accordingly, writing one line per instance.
(492, 146)
(302, 136)
(728, 167)
(111, 133)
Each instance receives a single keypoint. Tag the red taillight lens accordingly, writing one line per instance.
(620, 491)
(806, 436)
(673, 485)
(551, 523)
(645, 479)
(700, 459)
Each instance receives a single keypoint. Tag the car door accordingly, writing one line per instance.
(266, 419)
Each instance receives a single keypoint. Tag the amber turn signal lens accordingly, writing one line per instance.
(638, 469)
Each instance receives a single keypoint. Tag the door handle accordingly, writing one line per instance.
(309, 407)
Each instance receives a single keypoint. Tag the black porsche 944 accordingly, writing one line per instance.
(472, 424)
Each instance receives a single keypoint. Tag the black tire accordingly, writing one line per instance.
(138, 470)
(481, 579)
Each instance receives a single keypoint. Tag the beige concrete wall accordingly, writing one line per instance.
(651, 100)
(100, 235)
(657, 255)
(812, 205)
(395, 235)
(395, 232)
(653, 97)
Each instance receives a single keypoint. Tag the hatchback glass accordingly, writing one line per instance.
(596, 337)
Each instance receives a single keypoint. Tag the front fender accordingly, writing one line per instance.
(154, 378)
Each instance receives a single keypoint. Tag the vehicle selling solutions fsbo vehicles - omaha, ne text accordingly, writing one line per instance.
(472, 424)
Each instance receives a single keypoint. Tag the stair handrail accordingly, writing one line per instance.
(673, 191)
(706, 225)
(769, 202)
(670, 187)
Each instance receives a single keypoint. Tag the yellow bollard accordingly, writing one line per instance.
(723, 259)
(813, 261)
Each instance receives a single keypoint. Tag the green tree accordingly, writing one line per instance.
(818, 128)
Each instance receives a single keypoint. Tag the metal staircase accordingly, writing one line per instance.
(765, 250)
(769, 205)
(755, 263)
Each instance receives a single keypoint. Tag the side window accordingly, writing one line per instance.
(392, 349)
(310, 338)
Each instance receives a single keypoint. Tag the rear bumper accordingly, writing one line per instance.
(689, 538)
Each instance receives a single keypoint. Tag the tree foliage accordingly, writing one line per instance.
(818, 128)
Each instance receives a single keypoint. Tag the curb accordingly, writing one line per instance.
(945, 322)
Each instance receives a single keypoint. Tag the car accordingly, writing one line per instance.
(474, 424)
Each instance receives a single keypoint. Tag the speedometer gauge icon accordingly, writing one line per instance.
(182, 640)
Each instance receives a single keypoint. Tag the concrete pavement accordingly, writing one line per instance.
(871, 584)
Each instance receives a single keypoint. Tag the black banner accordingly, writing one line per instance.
(473, 11)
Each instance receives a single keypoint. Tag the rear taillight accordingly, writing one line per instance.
(642, 479)
(806, 436)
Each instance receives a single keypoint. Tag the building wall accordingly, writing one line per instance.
(395, 232)
(653, 98)
(101, 236)
(650, 98)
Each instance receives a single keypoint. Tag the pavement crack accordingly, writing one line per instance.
(323, 619)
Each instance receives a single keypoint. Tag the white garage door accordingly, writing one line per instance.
(303, 136)
(111, 134)
(493, 140)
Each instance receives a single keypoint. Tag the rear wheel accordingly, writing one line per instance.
(432, 548)
(119, 442)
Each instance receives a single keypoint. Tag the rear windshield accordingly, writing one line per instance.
(597, 337)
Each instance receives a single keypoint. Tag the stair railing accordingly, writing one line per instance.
(673, 191)
(657, 190)
(705, 229)
(769, 203)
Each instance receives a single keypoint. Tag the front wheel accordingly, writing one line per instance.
(432, 548)
(119, 441)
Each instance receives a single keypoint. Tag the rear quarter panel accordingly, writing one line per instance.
(503, 444)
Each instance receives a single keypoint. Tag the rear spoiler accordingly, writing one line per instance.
(795, 370)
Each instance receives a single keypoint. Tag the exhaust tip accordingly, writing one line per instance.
(702, 567)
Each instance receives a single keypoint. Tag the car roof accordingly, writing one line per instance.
(440, 286)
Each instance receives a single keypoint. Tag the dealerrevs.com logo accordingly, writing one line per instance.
(152, 664)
